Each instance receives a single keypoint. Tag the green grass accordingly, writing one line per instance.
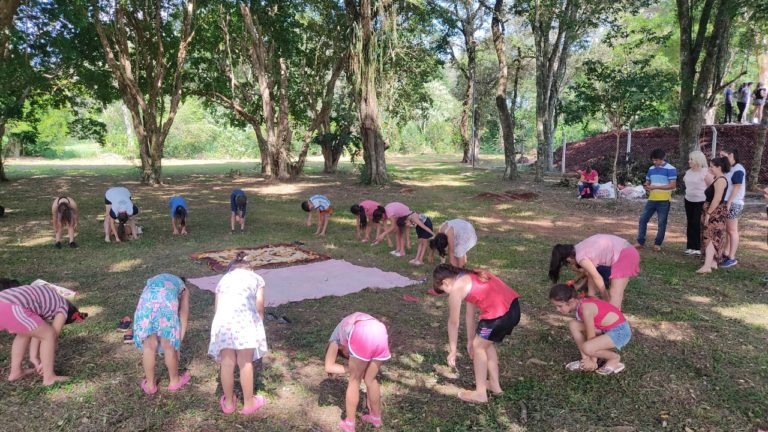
(697, 359)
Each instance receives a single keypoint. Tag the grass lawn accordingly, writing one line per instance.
(697, 360)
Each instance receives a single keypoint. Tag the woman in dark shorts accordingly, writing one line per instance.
(499, 314)
(424, 232)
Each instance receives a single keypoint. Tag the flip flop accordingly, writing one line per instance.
(223, 405)
(464, 399)
(145, 388)
(410, 298)
(182, 382)
(259, 402)
(574, 366)
(607, 370)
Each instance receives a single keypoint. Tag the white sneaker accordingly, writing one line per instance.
(395, 253)
(695, 252)
(688, 252)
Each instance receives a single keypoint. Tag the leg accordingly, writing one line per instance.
(618, 286)
(696, 224)
(70, 232)
(227, 376)
(367, 235)
(709, 259)
(407, 238)
(461, 261)
(662, 211)
(357, 369)
(107, 227)
(149, 353)
(18, 350)
(577, 330)
(494, 385)
(648, 211)
(732, 228)
(581, 187)
(480, 362)
(373, 388)
(600, 347)
(245, 364)
(171, 362)
(47, 336)
(326, 218)
(232, 221)
(132, 225)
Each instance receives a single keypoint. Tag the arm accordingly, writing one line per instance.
(718, 196)
(260, 303)
(53, 214)
(331, 367)
(452, 259)
(671, 186)
(309, 218)
(588, 318)
(469, 316)
(173, 224)
(592, 273)
(184, 312)
(734, 192)
(424, 227)
(454, 310)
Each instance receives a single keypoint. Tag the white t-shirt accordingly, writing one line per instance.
(695, 185)
(738, 175)
(120, 198)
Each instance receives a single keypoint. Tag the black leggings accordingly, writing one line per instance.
(693, 229)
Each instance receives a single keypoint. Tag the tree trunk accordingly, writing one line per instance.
(761, 42)
(8, 10)
(505, 119)
(2, 164)
(615, 176)
(697, 74)
(464, 122)
(757, 157)
(363, 63)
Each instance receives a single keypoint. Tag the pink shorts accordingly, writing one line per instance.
(628, 264)
(16, 319)
(368, 341)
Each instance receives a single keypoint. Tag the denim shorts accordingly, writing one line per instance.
(620, 335)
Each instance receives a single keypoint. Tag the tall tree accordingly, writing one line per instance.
(368, 17)
(557, 25)
(703, 42)
(8, 10)
(760, 28)
(506, 120)
(135, 38)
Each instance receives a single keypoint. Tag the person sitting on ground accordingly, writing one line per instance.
(179, 211)
(363, 212)
(599, 327)
(119, 207)
(24, 311)
(714, 215)
(324, 212)
(64, 214)
(237, 205)
(391, 213)
(363, 340)
(499, 314)
(160, 322)
(588, 182)
(599, 250)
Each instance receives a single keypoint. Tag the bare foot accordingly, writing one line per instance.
(13, 376)
(415, 262)
(494, 389)
(472, 397)
(54, 379)
(703, 270)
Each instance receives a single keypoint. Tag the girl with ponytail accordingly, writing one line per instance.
(499, 310)
(365, 212)
(179, 211)
(64, 214)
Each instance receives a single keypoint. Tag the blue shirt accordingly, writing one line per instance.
(233, 201)
(661, 176)
(320, 202)
(176, 202)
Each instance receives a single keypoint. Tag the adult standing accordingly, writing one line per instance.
(714, 214)
(695, 180)
(599, 250)
(734, 196)
(64, 214)
(761, 94)
(119, 207)
(744, 95)
(660, 181)
(728, 104)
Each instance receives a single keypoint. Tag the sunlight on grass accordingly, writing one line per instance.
(125, 265)
(37, 241)
(666, 330)
(699, 299)
(753, 314)
(92, 311)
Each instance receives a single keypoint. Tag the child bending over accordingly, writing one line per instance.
(324, 211)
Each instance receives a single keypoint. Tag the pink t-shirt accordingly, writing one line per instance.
(369, 206)
(601, 249)
(396, 210)
(589, 177)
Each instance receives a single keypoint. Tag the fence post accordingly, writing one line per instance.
(714, 142)
(629, 143)
(562, 168)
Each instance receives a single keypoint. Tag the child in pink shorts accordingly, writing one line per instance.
(24, 311)
(364, 341)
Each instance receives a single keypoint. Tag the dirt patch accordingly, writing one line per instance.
(507, 196)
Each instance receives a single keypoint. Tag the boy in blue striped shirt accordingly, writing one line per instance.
(324, 211)
(660, 181)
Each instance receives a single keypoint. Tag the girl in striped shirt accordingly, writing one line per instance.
(24, 311)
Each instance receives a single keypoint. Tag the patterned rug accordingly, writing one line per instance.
(260, 257)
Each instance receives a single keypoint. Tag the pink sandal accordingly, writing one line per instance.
(373, 420)
(223, 405)
(183, 380)
(347, 425)
(259, 402)
(145, 387)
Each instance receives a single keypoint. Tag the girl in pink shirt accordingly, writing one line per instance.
(595, 254)
(392, 212)
(499, 314)
(363, 212)
(599, 327)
